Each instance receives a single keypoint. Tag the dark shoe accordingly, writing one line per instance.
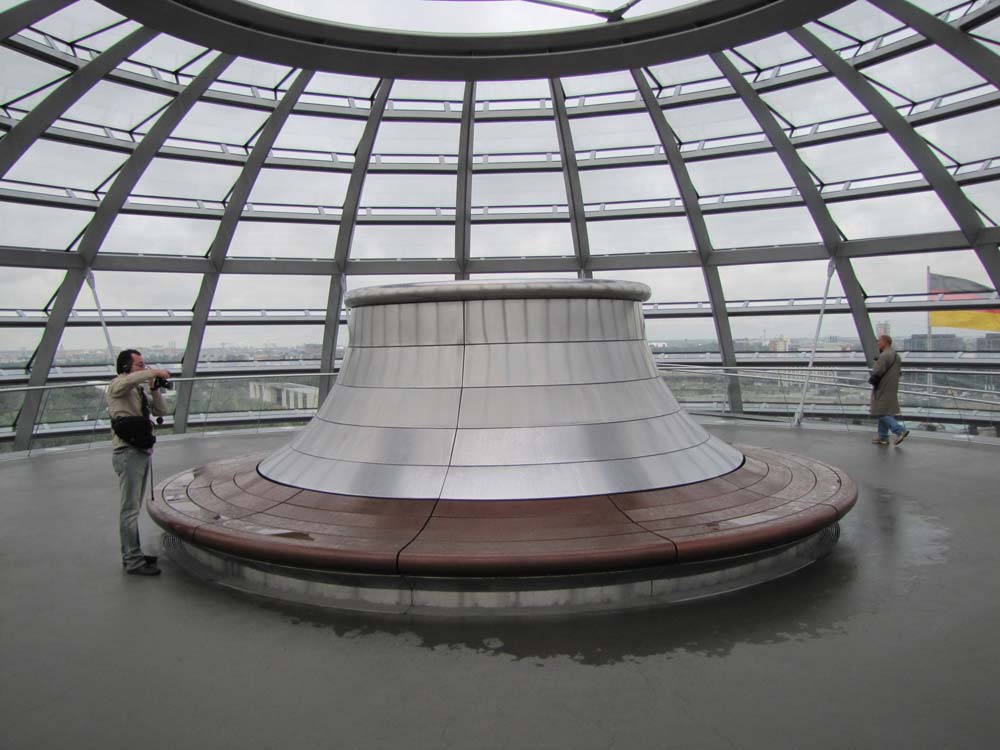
(901, 437)
(879, 441)
(146, 569)
(150, 560)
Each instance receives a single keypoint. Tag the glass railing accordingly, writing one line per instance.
(77, 413)
(965, 402)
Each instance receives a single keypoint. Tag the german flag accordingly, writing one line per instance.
(955, 288)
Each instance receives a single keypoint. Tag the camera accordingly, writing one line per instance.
(162, 383)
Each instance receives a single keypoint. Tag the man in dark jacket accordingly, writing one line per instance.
(885, 394)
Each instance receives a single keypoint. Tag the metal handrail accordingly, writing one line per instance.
(92, 382)
(848, 383)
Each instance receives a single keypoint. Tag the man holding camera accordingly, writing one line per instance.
(132, 437)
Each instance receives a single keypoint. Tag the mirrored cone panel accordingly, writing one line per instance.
(499, 390)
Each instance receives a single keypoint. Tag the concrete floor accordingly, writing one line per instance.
(887, 643)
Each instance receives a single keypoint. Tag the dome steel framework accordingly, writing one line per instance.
(137, 142)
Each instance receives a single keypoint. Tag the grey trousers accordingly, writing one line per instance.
(132, 467)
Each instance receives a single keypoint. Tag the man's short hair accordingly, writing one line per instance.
(124, 361)
(887, 337)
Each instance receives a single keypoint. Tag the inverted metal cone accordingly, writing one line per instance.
(496, 390)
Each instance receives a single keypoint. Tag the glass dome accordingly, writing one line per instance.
(218, 197)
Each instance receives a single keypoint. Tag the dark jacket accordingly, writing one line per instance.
(885, 396)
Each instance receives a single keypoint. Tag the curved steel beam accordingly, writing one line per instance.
(810, 193)
(571, 176)
(307, 43)
(40, 118)
(915, 147)
(95, 233)
(956, 43)
(223, 239)
(463, 191)
(21, 16)
(345, 235)
(699, 230)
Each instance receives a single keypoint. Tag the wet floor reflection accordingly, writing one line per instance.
(876, 562)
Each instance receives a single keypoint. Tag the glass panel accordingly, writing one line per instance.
(711, 120)
(40, 226)
(396, 137)
(254, 73)
(739, 174)
(434, 91)
(167, 52)
(861, 20)
(989, 31)
(908, 274)
(986, 197)
(160, 345)
(668, 285)
(256, 344)
(160, 235)
(615, 131)
(968, 137)
(363, 281)
(775, 226)
(923, 74)
(116, 106)
(78, 19)
(179, 178)
(217, 123)
(518, 189)
(268, 239)
(450, 17)
(628, 184)
(856, 159)
(409, 190)
(598, 84)
(656, 235)
(684, 340)
(28, 288)
(519, 276)
(17, 347)
(834, 39)
(320, 134)
(528, 137)
(108, 38)
(491, 91)
(299, 187)
(529, 239)
(66, 165)
(403, 241)
(819, 101)
(778, 281)
(685, 71)
(335, 84)
(135, 290)
(892, 215)
(271, 292)
(20, 74)
(794, 333)
(774, 50)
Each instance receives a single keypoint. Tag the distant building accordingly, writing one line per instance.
(939, 342)
(288, 395)
(883, 328)
(989, 343)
